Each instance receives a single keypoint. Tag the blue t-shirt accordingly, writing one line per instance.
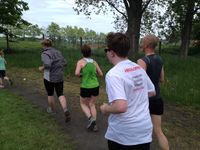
(2, 63)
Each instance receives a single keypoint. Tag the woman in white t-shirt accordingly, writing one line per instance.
(128, 88)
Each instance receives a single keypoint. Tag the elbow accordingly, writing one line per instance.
(122, 109)
(151, 94)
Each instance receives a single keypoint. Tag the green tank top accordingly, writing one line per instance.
(89, 75)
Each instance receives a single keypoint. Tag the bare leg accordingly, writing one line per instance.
(92, 106)
(1, 81)
(85, 106)
(163, 142)
(63, 103)
(51, 102)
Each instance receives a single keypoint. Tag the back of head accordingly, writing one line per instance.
(1, 53)
(150, 41)
(86, 50)
(119, 43)
(46, 43)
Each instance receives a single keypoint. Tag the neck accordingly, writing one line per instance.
(118, 60)
(149, 52)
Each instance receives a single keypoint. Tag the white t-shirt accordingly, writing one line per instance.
(128, 81)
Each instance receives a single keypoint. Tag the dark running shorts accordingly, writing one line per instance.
(84, 92)
(2, 73)
(156, 106)
(50, 86)
(116, 146)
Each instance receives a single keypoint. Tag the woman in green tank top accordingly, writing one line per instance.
(88, 69)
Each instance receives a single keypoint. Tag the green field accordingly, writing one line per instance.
(181, 87)
(181, 75)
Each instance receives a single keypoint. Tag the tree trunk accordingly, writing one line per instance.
(7, 43)
(186, 30)
(134, 22)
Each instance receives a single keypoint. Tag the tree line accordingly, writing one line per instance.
(173, 20)
(70, 34)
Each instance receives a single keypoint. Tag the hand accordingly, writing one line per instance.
(41, 68)
(103, 108)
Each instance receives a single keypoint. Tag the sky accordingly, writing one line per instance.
(43, 12)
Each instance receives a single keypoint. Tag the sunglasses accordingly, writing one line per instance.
(106, 50)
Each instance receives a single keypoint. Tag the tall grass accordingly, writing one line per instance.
(182, 80)
(182, 75)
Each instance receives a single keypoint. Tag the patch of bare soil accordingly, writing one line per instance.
(181, 125)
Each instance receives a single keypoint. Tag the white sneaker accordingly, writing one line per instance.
(50, 111)
(1, 86)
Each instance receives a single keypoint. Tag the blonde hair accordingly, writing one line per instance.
(150, 41)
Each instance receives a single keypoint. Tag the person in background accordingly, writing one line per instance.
(153, 65)
(53, 68)
(88, 69)
(3, 71)
(128, 88)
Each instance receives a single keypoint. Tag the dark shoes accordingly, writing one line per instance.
(67, 116)
(92, 126)
(10, 82)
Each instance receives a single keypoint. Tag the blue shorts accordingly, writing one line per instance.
(88, 92)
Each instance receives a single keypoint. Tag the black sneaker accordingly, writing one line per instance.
(10, 82)
(67, 116)
(91, 124)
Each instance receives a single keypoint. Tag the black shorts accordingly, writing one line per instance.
(156, 106)
(116, 146)
(84, 92)
(2, 73)
(50, 86)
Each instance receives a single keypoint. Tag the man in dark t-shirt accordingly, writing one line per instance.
(153, 64)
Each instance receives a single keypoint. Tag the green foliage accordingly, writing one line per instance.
(182, 75)
(11, 13)
(23, 126)
(182, 80)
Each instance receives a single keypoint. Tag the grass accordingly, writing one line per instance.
(182, 80)
(181, 87)
(24, 127)
(182, 75)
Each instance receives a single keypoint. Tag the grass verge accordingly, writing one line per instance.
(24, 127)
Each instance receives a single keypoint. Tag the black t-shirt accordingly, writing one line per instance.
(154, 65)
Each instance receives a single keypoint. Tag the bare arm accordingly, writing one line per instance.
(118, 106)
(41, 68)
(99, 72)
(78, 68)
(162, 75)
(142, 64)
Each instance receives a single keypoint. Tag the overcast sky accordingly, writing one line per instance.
(43, 12)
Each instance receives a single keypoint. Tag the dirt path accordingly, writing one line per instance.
(82, 139)
(182, 126)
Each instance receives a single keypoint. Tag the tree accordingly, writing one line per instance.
(11, 15)
(125, 11)
(183, 12)
(54, 31)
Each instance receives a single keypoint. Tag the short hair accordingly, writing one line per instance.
(150, 41)
(47, 42)
(86, 50)
(119, 43)
(1, 53)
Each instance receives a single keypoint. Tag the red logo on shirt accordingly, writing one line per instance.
(132, 69)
